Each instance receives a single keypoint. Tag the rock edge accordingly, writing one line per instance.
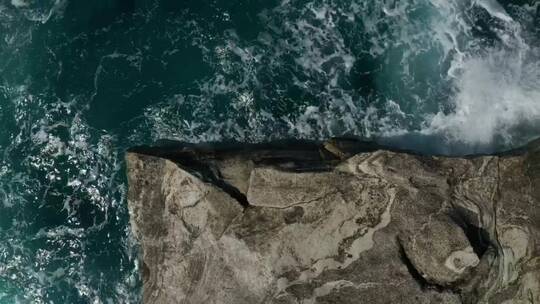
(341, 221)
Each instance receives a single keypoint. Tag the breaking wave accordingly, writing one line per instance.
(81, 81)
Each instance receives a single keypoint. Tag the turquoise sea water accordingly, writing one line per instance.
(81, 81)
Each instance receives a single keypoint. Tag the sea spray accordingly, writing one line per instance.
(81, 81)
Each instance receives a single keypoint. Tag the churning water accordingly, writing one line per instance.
(81, 81)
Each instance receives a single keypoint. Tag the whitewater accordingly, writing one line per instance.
(82, 81)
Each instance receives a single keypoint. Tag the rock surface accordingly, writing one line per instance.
(337, 222)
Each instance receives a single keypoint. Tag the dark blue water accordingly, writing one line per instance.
(81, 81)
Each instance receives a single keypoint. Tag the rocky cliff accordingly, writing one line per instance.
(337, 222)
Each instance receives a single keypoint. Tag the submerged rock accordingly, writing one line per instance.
(337, 222)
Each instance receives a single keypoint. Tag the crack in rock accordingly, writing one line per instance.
(343, 221)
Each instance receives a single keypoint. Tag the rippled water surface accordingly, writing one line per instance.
(81, 81)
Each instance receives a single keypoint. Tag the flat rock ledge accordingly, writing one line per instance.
(341, 221)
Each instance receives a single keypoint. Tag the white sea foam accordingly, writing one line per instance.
(495, 9)
(40, 10)
(432, 77)
(19, 3)
(470, 101)
(497, 96)
(66, 153)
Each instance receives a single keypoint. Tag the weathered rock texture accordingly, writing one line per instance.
(307, 223)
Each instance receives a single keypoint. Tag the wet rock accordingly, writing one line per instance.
(337, 222)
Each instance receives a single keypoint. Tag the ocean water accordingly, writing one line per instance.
(81, 81)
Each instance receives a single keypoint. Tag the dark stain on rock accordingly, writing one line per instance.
(293, 215)
(478, 237)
